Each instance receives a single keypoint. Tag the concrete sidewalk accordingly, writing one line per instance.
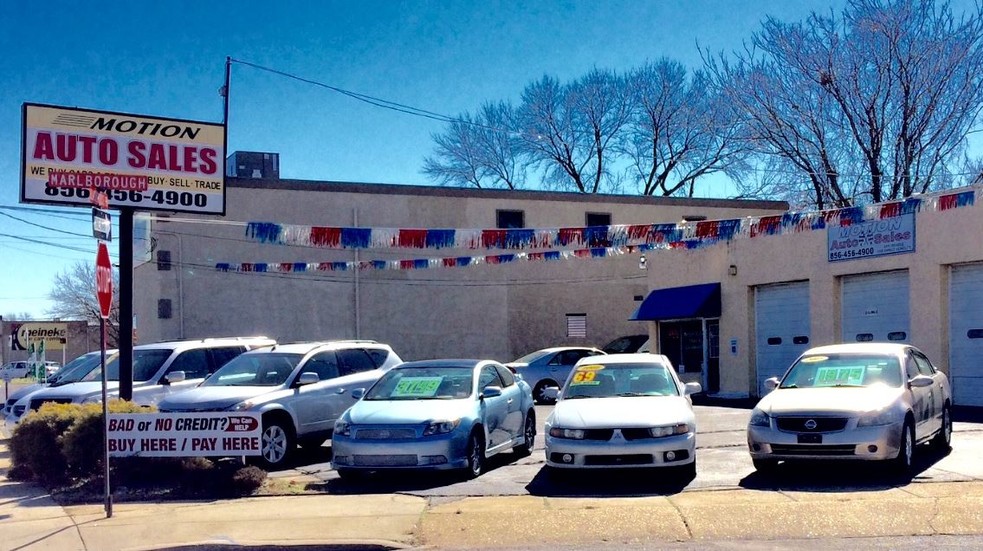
(31, 520)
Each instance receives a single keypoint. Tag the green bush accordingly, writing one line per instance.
(82, 443)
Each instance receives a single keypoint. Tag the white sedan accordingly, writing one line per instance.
(623, 411)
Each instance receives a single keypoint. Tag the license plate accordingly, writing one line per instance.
(810, 439)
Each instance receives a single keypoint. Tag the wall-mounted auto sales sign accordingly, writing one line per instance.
(140, 161)
(895, 235)
(183, 434)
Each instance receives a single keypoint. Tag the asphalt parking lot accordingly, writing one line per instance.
(722, 463)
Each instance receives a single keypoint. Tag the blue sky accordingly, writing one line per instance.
(167, 59)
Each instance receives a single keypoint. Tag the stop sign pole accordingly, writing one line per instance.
(104, 292)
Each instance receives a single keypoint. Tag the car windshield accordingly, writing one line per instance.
(259, 369)
(76, 369)
(608, 380)
(146, 363)
(423, 383)
(530, 357)
(843, 370)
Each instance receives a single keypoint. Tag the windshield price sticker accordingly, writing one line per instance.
(833, 376)
(423, 387)
(584, 378)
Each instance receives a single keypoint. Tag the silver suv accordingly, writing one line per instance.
(159, 369)
(301, 389)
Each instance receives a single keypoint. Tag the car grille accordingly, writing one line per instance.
(384, 434)
(385, 460)
(636, 434)
(794, 449)
(598, 434)
(36, 404)
(823, 424)
(614, 460)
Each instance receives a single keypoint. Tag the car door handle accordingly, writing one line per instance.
(510, 400)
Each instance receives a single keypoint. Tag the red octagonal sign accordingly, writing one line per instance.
(104, 281)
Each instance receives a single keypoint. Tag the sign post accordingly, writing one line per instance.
(104, 292)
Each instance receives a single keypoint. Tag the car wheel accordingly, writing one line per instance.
(476, 455)
(943, 439)
(764, 465)
(539, 393)
(276, 444)
(528, 436)
(906, 450)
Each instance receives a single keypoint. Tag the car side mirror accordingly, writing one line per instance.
(771, 383)
(174, 377)
(921, 381)
(358, 393)
(692, 388)
(491, 391)
(307, 378)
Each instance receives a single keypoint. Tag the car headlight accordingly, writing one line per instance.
(575, 434)
(441, 427)
(94, 399)
(660, 432)
(342, 428)
(878, 418)
(241, 406)
(759, 419)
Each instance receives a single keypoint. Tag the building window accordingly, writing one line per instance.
(598, 219)
(164, 309)
(507, 219)
(577, 325)
(163, 260)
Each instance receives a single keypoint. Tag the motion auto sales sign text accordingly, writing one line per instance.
(140, 161)
(183, 434)
(893, 235)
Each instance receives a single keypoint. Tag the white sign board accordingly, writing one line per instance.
(144, 162)
(184, 434)
(894, 235)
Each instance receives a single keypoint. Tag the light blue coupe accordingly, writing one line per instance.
(436, 414)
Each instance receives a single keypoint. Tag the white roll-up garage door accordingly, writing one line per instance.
(781, 324)
(966, 334)
(875, 308)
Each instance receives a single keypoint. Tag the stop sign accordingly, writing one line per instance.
(104, 280)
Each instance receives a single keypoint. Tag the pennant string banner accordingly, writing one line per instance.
(593, 241)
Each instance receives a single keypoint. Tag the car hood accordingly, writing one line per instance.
(384, 412)
(622, 412)
(213, 397)
(25, 390)
(78, 390)
(785, 401)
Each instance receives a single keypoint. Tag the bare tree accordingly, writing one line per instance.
(872, 106)
(22, 316)
(74, 298)
(680, 130)
(568, 131)
(479, 150)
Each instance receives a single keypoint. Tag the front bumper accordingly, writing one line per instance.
(852, 443)
(670, 451)
(436, 452)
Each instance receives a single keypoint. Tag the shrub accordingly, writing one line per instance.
(247, 480)
(82, 443)
(35, 444)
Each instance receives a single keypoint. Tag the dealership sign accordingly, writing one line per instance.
(183, 434)
(894, 235)
(138, 161)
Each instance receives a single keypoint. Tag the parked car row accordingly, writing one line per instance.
(21, 369)
(864, 401)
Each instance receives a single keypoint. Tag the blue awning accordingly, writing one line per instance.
(691, 301)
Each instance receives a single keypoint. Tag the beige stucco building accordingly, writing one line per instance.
(781, 294)
(495, 311)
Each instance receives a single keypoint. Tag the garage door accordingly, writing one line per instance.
(966, 334)
(875, 308)
(781, 327)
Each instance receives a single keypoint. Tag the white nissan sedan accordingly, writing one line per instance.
(861, 401)
(623, 410)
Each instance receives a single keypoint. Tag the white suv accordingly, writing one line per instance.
(159, 369)
(301, 389)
